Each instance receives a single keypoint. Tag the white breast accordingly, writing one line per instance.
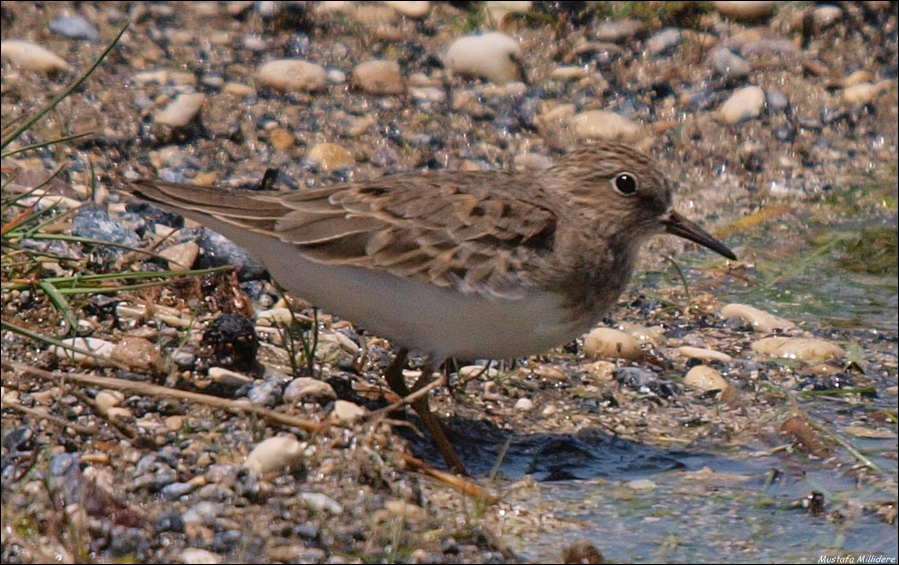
(432, 320)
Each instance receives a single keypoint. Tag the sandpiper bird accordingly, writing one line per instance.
(475, 265)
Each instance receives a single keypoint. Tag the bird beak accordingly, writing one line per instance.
(678, 225)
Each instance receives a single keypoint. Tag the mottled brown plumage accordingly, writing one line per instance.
(470, 264)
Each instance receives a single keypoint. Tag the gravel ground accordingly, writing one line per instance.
(773, 127)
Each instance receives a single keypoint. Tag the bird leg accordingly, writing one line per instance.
(394, 377)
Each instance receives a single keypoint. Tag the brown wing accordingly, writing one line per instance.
(466, 230)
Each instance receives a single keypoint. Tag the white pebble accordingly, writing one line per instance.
(704, 379)
(799, 348)
(109, 398)
(228, 377)
(760, 320)
(410, 8)
(306, 387)
(728, 64)
(345, 411)
(379, 77)
(181, 256)
(745, 10)
(662, 41)
(197, 556)
(864, 92)
(318, 502)
(273, 454)
(826, 15)
(274, 316)
(136, 353)
(492, 56)
(744, 104)
(100, 347)
(330, 156)
(608, 126)
(497, 10)
(608, 342)
(704, 354)
(180, 111)
(31, 57)
(524, 405)
(292, 75)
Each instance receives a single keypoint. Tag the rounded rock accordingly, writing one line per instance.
(809, 350)
(663, 41)
(292, 75)
(524, 405)
(744, 104)
(31, 56)
(620, 30)
(306, 387)
(345, 411)
(493, 56)
(608, 126)
(99, 347)
(728, 64)
(330, 157)
(273, 454)
(608, 342)
(378, 77)
(181, 256)
(704, 379)
(760, 320)
(863, 92)
(181, 111)
(410, 8)
(704, 354)
(136, 353)
(745, 11)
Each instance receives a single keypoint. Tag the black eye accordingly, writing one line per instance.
(625, 183)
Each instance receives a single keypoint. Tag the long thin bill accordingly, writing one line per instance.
(678, 225)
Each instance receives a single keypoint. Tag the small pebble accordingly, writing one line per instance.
(704, 379)
(273, 454)
(760, 320)
(308, 388)
(826, 15)
(704, 354)
(492, 56)
(744, 104)
(608, 342)
(378, 77)
(98, 346)
(745, 11)
(619, 31)
(136, 353)
(197, 556)
(330, 157)
(809, 350)
(32, 57)
(292, 75)
(608, 126)
(180, 256)
(728, 64)
(228, 377)
(410, 8)
(181, 111)
(863, 92)
(74, 27)
(109, 398)
(320, 502)
(663, 41)
(345, 411)
(524, 405)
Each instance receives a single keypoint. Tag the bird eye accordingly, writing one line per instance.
(625, 183)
